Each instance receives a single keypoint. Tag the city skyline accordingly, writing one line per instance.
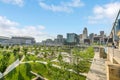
(82, 35)
(44, 19)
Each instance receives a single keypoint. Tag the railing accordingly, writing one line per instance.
(114, 25)
(113, 56)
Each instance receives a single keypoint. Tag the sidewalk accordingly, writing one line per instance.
(97, 69)
(11, 67)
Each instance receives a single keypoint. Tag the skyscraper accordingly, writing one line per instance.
(81, 38)
(101, 33)
(60, 39)
(85, 33)
(72, 38)
(91, 37)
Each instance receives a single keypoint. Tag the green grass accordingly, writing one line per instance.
(22, 72)
(6, 58)
(30, 57)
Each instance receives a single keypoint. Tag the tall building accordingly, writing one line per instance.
(102, 39)
(72, 38)
(91, 37)
(85, 33)
(49, 42)
(81, 36)
(81, 39)
(102, 33)
(59, 36)
(60, 39)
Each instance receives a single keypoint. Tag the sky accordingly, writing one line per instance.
(44, 19)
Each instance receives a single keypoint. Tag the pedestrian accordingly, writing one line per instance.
(113, 45)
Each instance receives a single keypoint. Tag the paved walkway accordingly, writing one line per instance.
(37, 75)
(97, 69)
(11, 67)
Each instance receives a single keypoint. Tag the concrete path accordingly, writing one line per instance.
(11, 67)
(37, 75)
(1, 75)
(97, 69)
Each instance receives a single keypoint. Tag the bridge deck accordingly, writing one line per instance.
(114, 55)
(97, 69)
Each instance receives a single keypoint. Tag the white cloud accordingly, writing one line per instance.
(62, 7)
(10, 28)
(55, 8)
(15, 2)
(74, 3)
(41, 27)
(4, 22)
(104, 13)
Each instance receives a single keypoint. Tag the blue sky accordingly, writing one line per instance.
(44, 19)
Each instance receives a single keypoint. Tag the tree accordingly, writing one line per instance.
(36, 52)
(45, 55)
(49, 65)
(52, 53)
(60, 57)
(4, 61)
(16, 50)
(7, 47)
(1, 46)
(25, 50)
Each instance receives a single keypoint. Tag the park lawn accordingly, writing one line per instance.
(22, 72)
(29, 57)
(6, 59)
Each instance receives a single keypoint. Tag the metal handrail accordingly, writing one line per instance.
(113, 25)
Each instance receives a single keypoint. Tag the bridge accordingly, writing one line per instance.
(106, 62)
(113, 53)
(109, 55)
